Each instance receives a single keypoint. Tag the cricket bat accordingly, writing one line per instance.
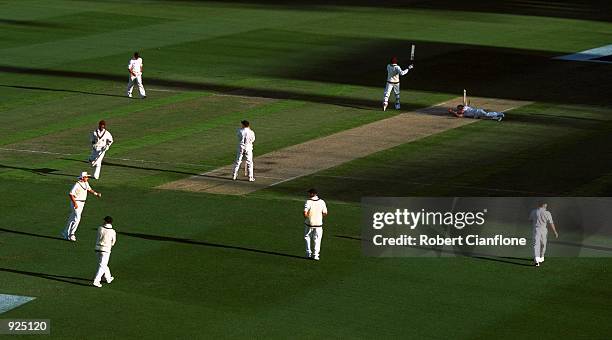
(464, 97)
(412, 48)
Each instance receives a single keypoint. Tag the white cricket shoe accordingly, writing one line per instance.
(397, 106)
(251, 179)
(110, 280)
(385, 106)
(97, 284)
(234, 177)
(72, 238)
(316, 258)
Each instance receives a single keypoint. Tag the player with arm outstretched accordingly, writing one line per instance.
(394, 72)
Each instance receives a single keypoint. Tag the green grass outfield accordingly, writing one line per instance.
(193, 265)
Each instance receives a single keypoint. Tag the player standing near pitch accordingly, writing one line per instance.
(540, 219)
(78, 196)
(246, 138)
(135, 68)
(104, 243)
(101, 141)
(314, 211)
(394, 71)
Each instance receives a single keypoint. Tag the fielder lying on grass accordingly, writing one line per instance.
(465, 111)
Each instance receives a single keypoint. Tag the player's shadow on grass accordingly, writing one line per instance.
(30, 234)
(206, 244)
(38, 171)
(153, 169)
(352, 102)
(36, 88)
(60, 278)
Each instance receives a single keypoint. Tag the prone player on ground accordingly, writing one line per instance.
(466, 111)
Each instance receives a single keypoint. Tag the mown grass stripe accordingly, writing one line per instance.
(227, 119)
(94, 116)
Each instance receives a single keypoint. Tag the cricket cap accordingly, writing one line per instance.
(84, 174)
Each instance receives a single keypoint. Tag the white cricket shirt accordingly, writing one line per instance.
(101, 139)
(106, 238)
(394, 72)
(246, 137)
(135, 65)
(315, 207)
(79, 191)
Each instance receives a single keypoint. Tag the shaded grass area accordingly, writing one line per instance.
(538, 150)
(244, 276)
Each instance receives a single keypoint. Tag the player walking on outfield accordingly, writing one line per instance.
(314, 211)
(101, 141)
(135, 68)
(246, 138)
(78, 196)
(540, 219)
(394, 71)
(104, 243)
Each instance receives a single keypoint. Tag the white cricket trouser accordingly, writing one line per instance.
(396, 89)
(103, 269)
(247, 153)
(135, 80)
(313, 235)
(97, 155)
(539, 242)
(74, 219)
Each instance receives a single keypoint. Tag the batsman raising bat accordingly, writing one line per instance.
(101, 140)
(394, 71)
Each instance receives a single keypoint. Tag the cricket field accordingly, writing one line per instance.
(229, 263)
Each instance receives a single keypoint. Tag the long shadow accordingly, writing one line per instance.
(486, 71)
(30, 23)
(60, 90)
(151, 169)
(358, 103)
(206, 244)
(59, 278)
(38, 171)
(30, 234)
(575, 9)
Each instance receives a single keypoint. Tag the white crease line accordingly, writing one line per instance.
(112, 158)
(286, 180)
(202, 166)
(211, 173)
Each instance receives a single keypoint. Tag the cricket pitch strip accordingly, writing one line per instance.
(326, 152)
